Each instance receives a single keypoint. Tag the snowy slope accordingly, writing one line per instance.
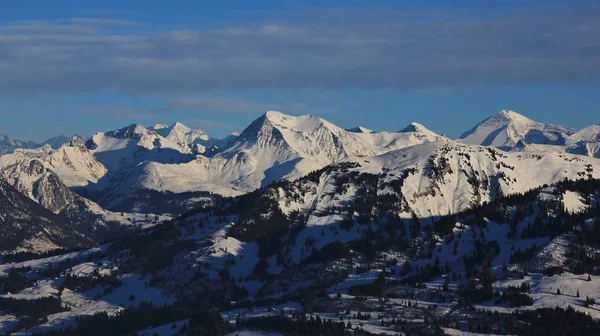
(585, 142)
(427, 181)
(506, 128)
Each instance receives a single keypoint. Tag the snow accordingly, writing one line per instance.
(573, 202)
(8, 322)
(454, 332)
(507, 128)
(43, 288)
(543, 291)
(164, 330)
(93, 301)
(355, 280)
(37, 264)
(588, 134)
(75, 165)
(275, 146)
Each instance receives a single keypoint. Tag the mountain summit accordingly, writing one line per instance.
(506, 128)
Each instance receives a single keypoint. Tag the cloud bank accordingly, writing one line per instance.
(340, 49)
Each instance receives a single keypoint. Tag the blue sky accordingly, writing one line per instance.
(86, 66)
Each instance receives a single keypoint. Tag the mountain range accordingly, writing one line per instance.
(168, 170)
(296, 211)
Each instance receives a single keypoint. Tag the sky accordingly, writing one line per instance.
(78, 67)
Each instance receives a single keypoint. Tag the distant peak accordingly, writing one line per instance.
(414, 127)
(360, 129)
(275, 115)
(510, 115)
(130, 131)
(180, 127)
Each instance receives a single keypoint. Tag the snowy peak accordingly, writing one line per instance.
(506, 128)
(415, 127)
(59, 140)
(360, 129)
(74, 163)
(130, 132)
(512, 116)
(179, 128)
(8, 145)
(187, 139)
(305, 136)
(588, 134)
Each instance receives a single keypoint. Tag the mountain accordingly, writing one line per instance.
(431, 230)
(34, 173)
(296, 214)
(8, 146)
(585, 142)
(151, 167)
(188, 140)
(506, 128)
(59, 140)
(275, 146)
(73, 162)
(511, 131)
(359, 129)
(28, 226)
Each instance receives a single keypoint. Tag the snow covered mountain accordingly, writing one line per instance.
(72, 162)
(59, 140)
(585, 142)
(33, 172)
(320, 216)
(506, 128)
(276, 146)
(135, 167)
(8, 145)
(138, 168)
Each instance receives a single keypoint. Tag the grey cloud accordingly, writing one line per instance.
(394, 50)
(118, 112)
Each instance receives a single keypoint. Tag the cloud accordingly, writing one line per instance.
(219, 104)
(378, 49)
(118, 112)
